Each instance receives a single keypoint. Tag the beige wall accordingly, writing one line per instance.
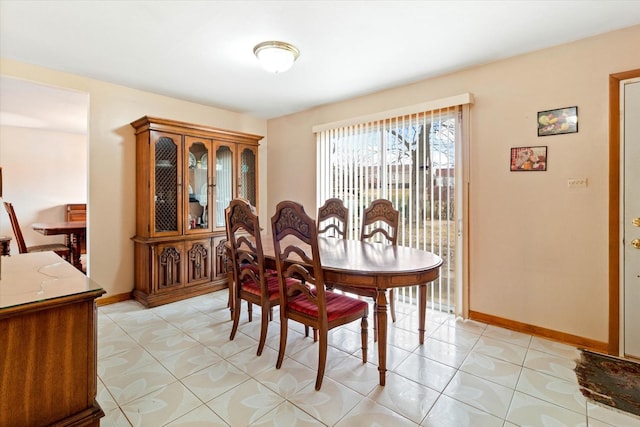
(538, 250)
(111, 164)
(42, 171)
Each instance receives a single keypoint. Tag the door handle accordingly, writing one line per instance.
(636, 222)
(635, 243)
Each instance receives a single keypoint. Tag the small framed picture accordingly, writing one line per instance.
(532, 159)
(559, 121)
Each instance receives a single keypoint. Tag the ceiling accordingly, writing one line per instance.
(202, 51)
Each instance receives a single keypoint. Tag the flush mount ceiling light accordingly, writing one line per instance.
(276, 57)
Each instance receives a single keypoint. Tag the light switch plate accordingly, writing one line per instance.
(577, 182)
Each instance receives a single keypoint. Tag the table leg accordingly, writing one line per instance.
(422, 315)
(382, 334)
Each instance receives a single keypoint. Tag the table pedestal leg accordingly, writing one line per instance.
(422, 311)
(382, 334)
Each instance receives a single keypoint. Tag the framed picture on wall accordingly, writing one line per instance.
(559, 121)
(531, 159)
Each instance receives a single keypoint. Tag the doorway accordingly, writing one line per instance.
(43, 154)
(624, 207)
(630, 102)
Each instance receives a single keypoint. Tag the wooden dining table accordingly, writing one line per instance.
(75, 231)
(374, 265)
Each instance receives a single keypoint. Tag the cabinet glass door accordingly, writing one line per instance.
(248, 176)
(166, 197)
(223, 181)
(198, 184)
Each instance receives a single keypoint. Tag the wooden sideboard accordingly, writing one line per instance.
(48, 340)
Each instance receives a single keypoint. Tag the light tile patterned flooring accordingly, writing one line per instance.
(174, 365)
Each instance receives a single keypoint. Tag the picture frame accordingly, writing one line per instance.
(528, 159)
(558, 121)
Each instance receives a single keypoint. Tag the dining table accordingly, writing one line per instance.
(374, 265)
(75, 232)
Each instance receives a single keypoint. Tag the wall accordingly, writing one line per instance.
(538, 250)
(42, 172)
(111, 161)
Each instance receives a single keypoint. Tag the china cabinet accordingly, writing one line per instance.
(186, 175)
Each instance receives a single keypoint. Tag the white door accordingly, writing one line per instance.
(630, 97)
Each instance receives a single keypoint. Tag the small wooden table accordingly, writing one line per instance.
(75, 231)
(48, 330)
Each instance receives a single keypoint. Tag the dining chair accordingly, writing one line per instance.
(379, 223)
(295, 241)
(58, 248)
(251, 280)
(333, 221)
(333, 218)
(77, 212)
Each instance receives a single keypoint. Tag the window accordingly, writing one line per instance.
(409, 159)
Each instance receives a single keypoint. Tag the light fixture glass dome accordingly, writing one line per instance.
(276, 57)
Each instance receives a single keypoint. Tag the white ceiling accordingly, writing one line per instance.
(202, 51)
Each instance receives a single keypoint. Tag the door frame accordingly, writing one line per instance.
(614, 206)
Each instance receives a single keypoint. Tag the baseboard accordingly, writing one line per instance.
(113, 299)
(573, 340)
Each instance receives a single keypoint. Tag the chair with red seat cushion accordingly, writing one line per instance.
(333, 219)
(295, 241)
(252, 282)
(379, 224)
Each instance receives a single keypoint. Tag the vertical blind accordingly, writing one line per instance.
(410, 160)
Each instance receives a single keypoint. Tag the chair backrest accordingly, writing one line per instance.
(77, 212)
(295, 242)
(22, 246)
(333, 218)
(243, 234)
(253, 208)
(379, 220)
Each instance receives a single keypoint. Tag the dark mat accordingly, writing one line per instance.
(609, 380)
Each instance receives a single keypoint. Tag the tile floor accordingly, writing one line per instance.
(174, 365)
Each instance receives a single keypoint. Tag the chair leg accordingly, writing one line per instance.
(236, 318)
(392, 305)
(283, 340)
(266, 313)
(250, 310)
(322, 358)
(364, 326)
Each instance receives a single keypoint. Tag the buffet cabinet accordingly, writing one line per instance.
(48, 331)
(186, 175)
